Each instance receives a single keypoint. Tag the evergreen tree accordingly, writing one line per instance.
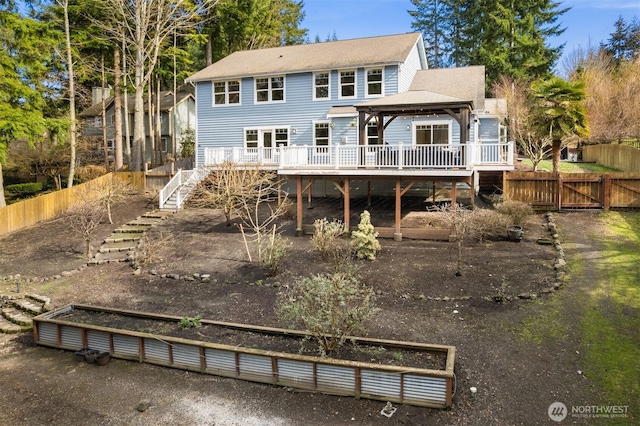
(433, 18)
(27, 57)
(508, 37)
(624, 43)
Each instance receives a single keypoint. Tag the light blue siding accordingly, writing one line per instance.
(408, 70)
(223, 126)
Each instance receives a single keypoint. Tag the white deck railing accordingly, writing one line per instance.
(346, 157)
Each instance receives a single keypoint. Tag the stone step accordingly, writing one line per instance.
(38, 298)
(17, 317)
(141, 221)
(8, 327)
(158, 214)
(28, 307)
(111, 257)
(119, 237)
(118, 247)
(129, 228)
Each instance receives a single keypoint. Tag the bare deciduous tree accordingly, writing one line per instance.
(111, 192)
(144, 26)
(460, 220)
(72, 92)
(521, 122)
(84, 217)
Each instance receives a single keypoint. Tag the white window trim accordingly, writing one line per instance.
(226, 93)
(366, 83)
(432, 122)
(328, 98)
(270, 101)
(328, 146)
(265, 128)
(355, 84)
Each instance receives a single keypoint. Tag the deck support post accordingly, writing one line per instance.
(368, 194)
(299, 194)
(454, 193)
(397, 235)
(347, 203)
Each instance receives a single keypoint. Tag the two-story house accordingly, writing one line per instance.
(174, 118)
(365, 110)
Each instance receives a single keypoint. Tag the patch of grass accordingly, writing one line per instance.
(566, 167)
(544, 322)
(611, 321)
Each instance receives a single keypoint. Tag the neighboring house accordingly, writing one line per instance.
(355, 110)
(174, 119)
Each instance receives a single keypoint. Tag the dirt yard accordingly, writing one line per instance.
(517, 376)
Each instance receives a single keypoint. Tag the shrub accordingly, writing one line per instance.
(188, 322)
(517, 211)
(149, 250)
(325, 237)
(330, 307)
(24, 189)
(273, 249)
(487, 224)
(364, 241)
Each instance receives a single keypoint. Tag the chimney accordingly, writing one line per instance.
(97, 95)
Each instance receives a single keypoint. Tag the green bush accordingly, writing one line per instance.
(330, 307)
(24, 189)
(364, 241)
(188, 322)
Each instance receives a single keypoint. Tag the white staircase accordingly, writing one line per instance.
(176, 192)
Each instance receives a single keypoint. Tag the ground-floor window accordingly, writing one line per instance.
(372, 133)
(321, 134)
(436, 133)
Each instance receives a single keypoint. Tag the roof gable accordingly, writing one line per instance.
(343, 54)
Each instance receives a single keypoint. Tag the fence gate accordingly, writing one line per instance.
(586, 192)
(574, 190)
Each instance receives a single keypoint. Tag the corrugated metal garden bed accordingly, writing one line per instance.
(417, 374)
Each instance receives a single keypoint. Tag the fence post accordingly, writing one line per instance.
(606, 192)
(559, 177)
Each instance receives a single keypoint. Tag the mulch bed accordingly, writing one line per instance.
(260, 340)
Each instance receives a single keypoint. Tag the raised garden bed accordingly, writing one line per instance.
(414, 373)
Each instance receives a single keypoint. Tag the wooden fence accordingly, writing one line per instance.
(574, 190)
(47, 206)
(622, 157)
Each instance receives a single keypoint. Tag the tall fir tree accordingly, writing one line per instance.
(508, 37)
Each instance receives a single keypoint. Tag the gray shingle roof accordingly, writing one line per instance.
(466, 83)
(166, 103)
(439, 86)
(341, 54)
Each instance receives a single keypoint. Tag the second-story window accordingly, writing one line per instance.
(347, 84)
(270, 89)
(321, 85)
(374, 82)
(226, 92)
